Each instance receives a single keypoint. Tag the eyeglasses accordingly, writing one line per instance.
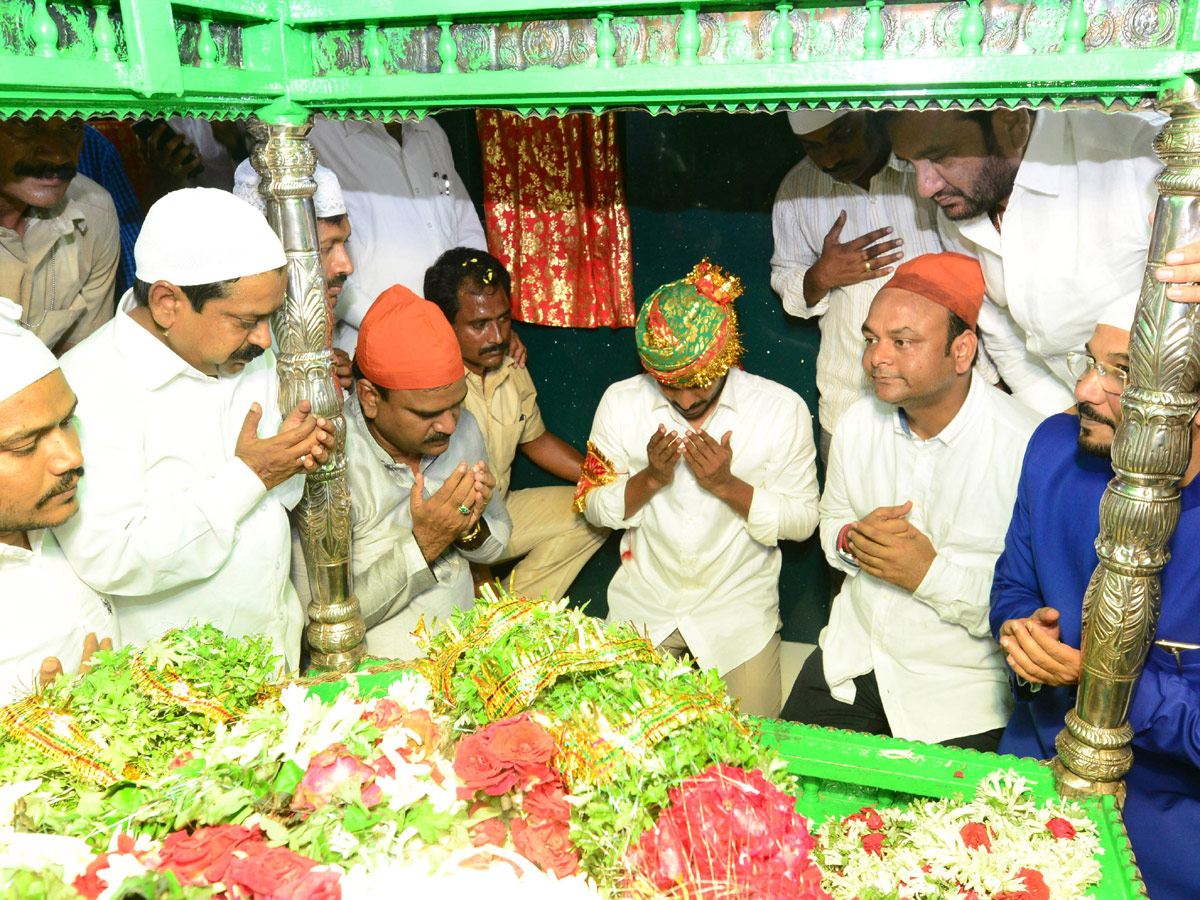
(1112, 379)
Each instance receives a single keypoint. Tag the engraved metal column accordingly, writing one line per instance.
(1140, 507)
(285, 161)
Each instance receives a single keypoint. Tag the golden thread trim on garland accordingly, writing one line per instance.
(171, 689)
(57, 734)
(584, 756)
(596, 471)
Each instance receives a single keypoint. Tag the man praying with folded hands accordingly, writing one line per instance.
(707, 468)
(424, 502)
(918, 495)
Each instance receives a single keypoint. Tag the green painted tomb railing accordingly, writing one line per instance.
(407, 57)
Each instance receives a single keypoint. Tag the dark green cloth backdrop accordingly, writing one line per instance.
(698, 184)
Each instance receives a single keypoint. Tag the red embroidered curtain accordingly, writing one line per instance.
(554, 200)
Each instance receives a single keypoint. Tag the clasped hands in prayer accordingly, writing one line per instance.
(709, 461)
(892, 549)
(1034, 649)
(302, 445)
(439, 521)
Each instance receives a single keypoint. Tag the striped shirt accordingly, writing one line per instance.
(806, 206)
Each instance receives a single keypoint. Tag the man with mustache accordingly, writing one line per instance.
(418, 469)
(1037, 610)
(333, 236)
(707, 468)
(843, 217)
(59, 237)
(183, 513)
(918, 495)
(551, 541)
(1055, 207)
(54, 619)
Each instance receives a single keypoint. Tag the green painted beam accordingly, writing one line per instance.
(315, 12)
(153, 53)
(266, 10)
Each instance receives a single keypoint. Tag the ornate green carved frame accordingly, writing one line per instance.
(282, 60)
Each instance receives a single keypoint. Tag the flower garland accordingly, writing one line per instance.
(1001, 845)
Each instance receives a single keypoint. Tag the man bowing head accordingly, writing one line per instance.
(190, 470)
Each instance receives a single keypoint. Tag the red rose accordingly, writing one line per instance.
(329, 770)
(530, 774)
(548, 802)
(1035, 887)
(520, 740)
(547, 844)
(324, 885)
(489, 831)
(975, 835)
(1061, 829)
(873, 843)
(479, 768)
(204, 856)
(89, 884)
(867, 815)
(269, 872)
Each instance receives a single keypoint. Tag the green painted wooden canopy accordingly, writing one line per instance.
(283, 59)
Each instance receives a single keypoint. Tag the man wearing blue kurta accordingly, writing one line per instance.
(1037, 600)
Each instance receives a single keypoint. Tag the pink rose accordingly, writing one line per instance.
(385, 714)
(328, 771)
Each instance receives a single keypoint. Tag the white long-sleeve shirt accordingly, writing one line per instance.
(807, 204)
(381, 518)
(171, 523)
(940, 674)
(688, 561)
(1073, 239)
(406, 203)
(49, 612)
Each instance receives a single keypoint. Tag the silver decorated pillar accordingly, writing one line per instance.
(303, 330)
(1140, 507)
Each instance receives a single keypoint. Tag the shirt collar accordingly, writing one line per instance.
(956, 426)
(64, 216)
(20, 554)
(353, 409)
(1045, 155)
(497, 377)
(154, 363)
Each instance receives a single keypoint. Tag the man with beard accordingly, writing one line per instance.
(1037, 609)
(843, 217)
(183, 514)
(333, 234)
(54, 619)
(728, 471)
(919, 492)
(1055, 206)
(549, 538)
(416, 463)
(59, 238)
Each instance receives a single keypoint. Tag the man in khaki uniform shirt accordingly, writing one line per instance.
(59, 239)
(551, 540)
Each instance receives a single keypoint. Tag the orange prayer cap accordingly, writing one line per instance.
(952, 280)
(405, 343)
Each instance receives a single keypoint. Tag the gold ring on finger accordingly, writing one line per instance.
(465, 510)
(868, 265)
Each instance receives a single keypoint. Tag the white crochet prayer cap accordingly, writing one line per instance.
(1119, 313)
(806, 121)
(203, 235)
(24, 359)
(327, 199)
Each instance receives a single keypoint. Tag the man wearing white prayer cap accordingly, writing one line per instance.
(183, 514)
(333, 233)
(1037, 611)
(53, 618)
(843, 218)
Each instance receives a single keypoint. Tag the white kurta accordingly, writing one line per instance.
(1074, 238)
(407, 206)
(171, 523)
(940, 674)
(49, 611)
(806, 206)
(688, 561)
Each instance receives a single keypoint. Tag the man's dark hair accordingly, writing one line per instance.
(462, 265)
(983, 118)
(956, 327)
(197, 294)
(357, 375)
